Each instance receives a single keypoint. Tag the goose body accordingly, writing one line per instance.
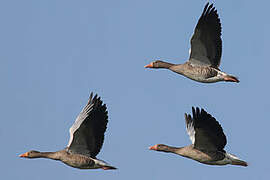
(203, 74)
(205, 54)
(86, 139)
(208, 141)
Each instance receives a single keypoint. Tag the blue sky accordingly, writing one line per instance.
(54, 53)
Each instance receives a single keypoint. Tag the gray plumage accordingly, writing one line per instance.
(86, 139)
(205, 52)
(208, 141)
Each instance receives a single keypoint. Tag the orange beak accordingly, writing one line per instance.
(149, 65)
(24, 155)
(153, 147)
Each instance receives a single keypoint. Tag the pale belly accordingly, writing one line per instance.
(201, 74)
(205, 80)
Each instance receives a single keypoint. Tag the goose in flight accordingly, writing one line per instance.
(86, 139)
(208, 141)
(205, 53)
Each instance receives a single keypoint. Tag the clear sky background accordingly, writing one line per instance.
(54, 53)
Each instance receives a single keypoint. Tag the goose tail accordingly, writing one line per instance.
(236, 161)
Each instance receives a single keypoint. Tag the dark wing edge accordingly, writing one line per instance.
(206, 43)
(99, 125)
(87, 132)
(209, 133)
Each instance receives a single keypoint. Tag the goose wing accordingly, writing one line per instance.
(204, 131)
(206, 44)
(87, 132)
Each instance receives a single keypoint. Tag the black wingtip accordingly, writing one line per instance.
(203, 111)
(95, 97)
(91, 95)
(97, 101)
(196, 112)
(206, 6)
(208, 9)
(94, 100)
(193, 111)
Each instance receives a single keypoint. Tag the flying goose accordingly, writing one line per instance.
(208, 141)
(86, 139)
(205, 53)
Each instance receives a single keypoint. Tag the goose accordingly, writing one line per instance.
(208, 141)
(86, 139)
(205, 52)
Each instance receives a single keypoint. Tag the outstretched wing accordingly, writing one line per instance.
(206, 44)
(204, 131)
(87, 133)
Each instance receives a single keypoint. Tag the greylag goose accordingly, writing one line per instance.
(86, 139)
(205, 53)
(208, 141)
